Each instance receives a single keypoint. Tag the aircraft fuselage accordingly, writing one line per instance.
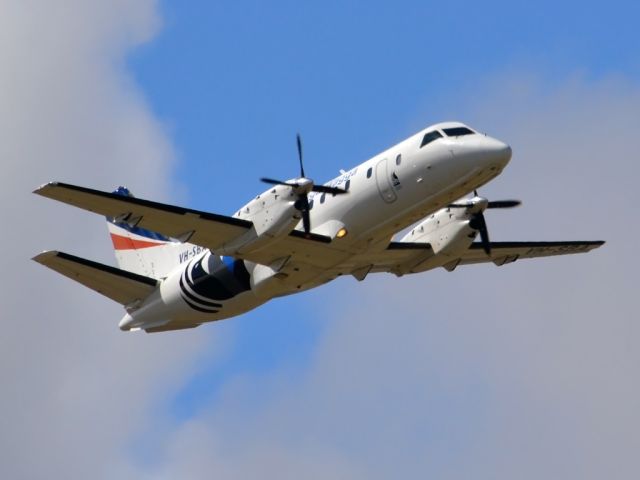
(386, 194)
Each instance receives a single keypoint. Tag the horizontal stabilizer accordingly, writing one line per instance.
(118, 285)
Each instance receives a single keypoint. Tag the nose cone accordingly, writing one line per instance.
(503, 154)
(480, 151)
(496, 153)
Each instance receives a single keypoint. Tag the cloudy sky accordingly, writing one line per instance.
(525, 371)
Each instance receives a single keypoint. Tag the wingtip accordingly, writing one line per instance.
(42, 188)
(44, 256)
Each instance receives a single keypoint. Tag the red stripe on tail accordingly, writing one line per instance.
(126, 243)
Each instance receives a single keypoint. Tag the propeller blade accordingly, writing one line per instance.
(331, 190)
(504, 203)
(484, 235)
(459, 205)
(299, 142)
(271, 181)
(478, 223)
(306, 222)
(302, 205)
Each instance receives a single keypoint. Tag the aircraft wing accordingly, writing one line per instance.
(202, 228)
(508, 252)
(119, 285)
(401, 258)
(393, 258)
(398, 254)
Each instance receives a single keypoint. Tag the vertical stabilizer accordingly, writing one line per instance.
(145, 252)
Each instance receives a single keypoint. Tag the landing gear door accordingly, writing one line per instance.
(383, 180)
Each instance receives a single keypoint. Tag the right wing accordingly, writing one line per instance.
(507, 252)
(201, 228)
(118, 285)
(402, 258)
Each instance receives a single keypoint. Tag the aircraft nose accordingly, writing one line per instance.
(498, 152)
(503, 154)
(483, 151)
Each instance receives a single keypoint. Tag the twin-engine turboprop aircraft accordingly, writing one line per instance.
(180, 268)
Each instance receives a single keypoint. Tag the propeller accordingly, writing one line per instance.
(302, 186)
(504, 204)
(477, 220)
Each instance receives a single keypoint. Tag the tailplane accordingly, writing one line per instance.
(124, 287)
(145, 252)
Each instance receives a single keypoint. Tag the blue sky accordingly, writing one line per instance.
(234, 81)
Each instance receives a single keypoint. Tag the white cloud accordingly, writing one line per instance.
(75, 389)
(526, 371)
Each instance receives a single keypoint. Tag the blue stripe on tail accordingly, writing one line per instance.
(143, 232)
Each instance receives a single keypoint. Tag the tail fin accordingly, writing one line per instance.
(145, 252)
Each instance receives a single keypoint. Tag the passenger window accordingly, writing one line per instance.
(369, 172)
(347, 185)
(322, 198)
(398, 159)
(430, 137)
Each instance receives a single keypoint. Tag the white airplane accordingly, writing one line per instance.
(180, 268)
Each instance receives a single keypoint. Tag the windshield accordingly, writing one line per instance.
(430, 137)
(457, 131)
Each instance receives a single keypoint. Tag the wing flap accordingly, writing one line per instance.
(119, 285)
(202, 228)
(396, 258)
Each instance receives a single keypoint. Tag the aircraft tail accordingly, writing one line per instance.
(145, 252)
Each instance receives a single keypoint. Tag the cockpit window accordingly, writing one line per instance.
(457, 131)
(430, 137)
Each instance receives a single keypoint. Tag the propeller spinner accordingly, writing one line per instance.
(302, 186)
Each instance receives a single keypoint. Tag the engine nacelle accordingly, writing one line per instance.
(447, 231)
(265, 280)
(273, 215)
